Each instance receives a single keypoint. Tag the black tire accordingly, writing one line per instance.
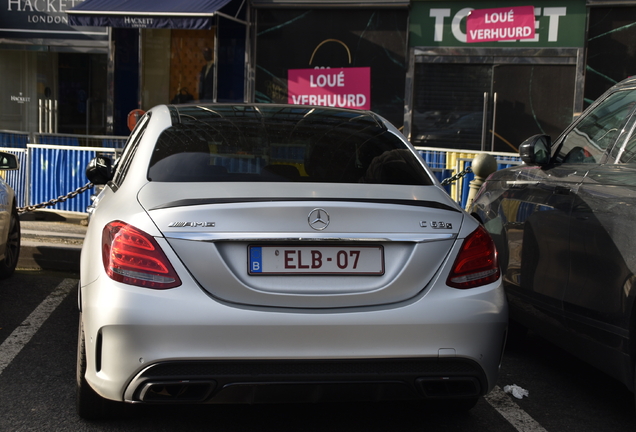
(12, 249)
(90, 405)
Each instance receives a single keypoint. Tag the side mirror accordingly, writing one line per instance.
(99, 170)
(536, 150)
(8, 161)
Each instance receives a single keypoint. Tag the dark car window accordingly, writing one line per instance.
(282, 144)
(596, 133)
(628, 153)
(130, 149)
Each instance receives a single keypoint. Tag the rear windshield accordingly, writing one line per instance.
(219, 143)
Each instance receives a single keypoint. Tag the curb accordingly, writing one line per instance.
(46, 215)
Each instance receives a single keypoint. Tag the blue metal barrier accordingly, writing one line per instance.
(13, 139)
(50, 171)
(114, 142)
(288, 153)
(58, 140)
(241, 164)
(106, 141)
(52, 165)
(56, 171)
(434, 159)
(57, 165)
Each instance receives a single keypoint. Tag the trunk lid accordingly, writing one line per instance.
(369, 244)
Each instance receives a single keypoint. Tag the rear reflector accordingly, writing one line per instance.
(134, 257)
(476, 264)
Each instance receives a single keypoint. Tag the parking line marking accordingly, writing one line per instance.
(13, 344)
(517, 417)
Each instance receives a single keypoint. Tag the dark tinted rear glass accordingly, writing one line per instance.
(271, 143)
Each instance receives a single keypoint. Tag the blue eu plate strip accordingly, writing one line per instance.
(256, 260)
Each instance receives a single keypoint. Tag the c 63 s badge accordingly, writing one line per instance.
(436, 224)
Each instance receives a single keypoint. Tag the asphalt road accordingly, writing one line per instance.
(38, 327)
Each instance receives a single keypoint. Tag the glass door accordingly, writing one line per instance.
(451, 105)
(80, 107)
(490, 107)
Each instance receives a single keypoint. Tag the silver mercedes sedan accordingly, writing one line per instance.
(277, 253)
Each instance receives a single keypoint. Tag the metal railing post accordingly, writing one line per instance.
(27, 177)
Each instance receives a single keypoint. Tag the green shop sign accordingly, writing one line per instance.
(443, 23)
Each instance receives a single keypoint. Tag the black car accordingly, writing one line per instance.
(564, 224)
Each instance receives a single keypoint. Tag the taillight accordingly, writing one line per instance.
(133, 257)
(476, 263)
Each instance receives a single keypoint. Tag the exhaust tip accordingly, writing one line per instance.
(176, 391)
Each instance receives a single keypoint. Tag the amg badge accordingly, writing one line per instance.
(190, 224)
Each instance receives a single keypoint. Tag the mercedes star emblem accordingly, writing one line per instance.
(318, 219)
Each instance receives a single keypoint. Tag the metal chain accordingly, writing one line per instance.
(54, 201)
(457, 176)
(89, 185)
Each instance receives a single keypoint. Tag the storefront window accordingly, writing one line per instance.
(178, 66)
(359, 58)
(53, 92)
(18, 101)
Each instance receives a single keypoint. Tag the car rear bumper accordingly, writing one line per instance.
(293, 381)
(142, 344)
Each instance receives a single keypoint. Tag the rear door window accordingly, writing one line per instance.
(130, 149)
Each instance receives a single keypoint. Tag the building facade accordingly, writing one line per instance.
(53, 75)
(458, 74)
(71, 68)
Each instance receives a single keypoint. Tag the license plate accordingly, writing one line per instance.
(316, 260)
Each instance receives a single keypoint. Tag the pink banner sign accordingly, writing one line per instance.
(500, 24)
(341, 88)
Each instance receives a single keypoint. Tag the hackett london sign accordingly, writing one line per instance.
(20, 99)
(500, 24)
(342, 88)
(138, 22)
(43, 19)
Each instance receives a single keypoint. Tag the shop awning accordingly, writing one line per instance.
(180, 14)
(330, 4)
